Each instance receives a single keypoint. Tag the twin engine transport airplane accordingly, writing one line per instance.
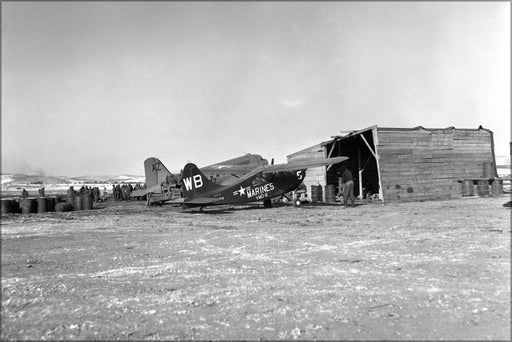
(163, 186)
(262, 183)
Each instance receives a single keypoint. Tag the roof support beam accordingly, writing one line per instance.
(376, 156)
(360, 171)
(330, 153)
(367, 144)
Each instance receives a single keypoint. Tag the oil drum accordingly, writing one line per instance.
(497, 187)
(87, 200)
(467, 188)
(79, 203)
(316, 193)
(41, 204)
(330, 193)
(28, 205)
(9, 206)
(482, 187)
(50, 203)
(63, 206)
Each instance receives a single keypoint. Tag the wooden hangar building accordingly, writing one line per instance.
(408, 164)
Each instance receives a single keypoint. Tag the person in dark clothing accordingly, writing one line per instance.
(117, 192)
(96, 194)
(71, 195)
(24, 194)
(348, 185)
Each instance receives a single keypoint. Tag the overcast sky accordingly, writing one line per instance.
(96, 88)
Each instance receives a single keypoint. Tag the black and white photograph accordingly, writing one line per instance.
(255, 170)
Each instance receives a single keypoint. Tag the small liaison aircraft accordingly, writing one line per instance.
(163, 186)
(262, 183)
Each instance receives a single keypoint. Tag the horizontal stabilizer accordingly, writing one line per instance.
(137, 193)
(157, 189)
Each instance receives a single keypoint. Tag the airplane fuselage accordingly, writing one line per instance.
(259, 187)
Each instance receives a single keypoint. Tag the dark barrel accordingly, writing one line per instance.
(50, 203)
(28, 205)
(316, 193)
(9, 206)
(41, 204)
(17, 208)
(330, 193)
(63, 206)
(497, 187)
(79, 203)
(467, 187)
(482, 187)
(488, 170)
(87, 202)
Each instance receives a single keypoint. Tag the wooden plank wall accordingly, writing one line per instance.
(425, 164)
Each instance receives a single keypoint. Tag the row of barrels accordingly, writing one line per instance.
(483, 187)
(32, 205)
(317, 193)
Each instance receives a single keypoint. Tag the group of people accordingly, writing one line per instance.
(119, 192)
(93, 192)
(123, 192)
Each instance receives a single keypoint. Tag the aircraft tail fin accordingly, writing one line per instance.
(155, 172)
(194, 183)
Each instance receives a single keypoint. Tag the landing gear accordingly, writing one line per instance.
(297, 202)
(267, 203)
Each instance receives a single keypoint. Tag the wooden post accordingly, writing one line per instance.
(376, 143)
(360, 171)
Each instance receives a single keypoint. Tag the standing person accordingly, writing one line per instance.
(118, 192)
(123, 192)
(24, 194)
(71, 195)
(130, 189)
(96, 194)
(348, 185)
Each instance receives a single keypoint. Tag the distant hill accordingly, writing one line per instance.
(18, 178)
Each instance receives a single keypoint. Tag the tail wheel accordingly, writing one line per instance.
(297, 203)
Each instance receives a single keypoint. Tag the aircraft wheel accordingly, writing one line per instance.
(297, 203)
(267, 204)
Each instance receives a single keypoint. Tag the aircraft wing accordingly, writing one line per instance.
(303, 164)
(226, 168)
(299, 165)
